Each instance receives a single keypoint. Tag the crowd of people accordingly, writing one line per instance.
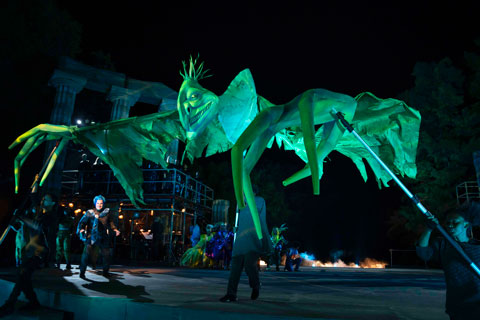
(214, 248)
(43, 235)
(46, 226)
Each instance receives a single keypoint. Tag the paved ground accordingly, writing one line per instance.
(178, 293)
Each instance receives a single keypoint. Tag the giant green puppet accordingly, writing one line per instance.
(246, 123)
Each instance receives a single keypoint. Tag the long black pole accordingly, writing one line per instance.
(412, 197)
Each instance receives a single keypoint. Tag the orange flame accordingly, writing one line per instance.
(367, 263)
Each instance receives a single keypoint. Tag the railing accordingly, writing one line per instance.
(163, 189)
(468, 191)
(157, 182)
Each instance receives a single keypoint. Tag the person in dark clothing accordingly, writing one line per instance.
(33, 254)
(85, 173)
(247, 249)
(100, 176)
(64, 236)
(293, 258)
(278, 242)
(50, 212)
(463, 284)
(94, 229)
(157, 238)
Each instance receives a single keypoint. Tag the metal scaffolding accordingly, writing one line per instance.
(174, 196)
(468, 191)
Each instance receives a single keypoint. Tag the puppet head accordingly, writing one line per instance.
(196, 105)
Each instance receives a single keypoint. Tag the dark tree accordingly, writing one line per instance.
(448, 97)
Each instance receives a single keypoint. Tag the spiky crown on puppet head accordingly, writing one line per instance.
(194, 73)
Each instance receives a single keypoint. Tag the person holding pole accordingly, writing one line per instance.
(463, 285)
(247, 249)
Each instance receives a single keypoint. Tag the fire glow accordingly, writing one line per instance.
(367, 263)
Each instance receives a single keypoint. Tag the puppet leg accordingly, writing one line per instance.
(258, 133)
(333, 132)
(306, 107)
(53, 159)
(256, 129)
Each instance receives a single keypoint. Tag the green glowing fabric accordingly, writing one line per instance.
(246, 123)
(388, 126)
(123, 143)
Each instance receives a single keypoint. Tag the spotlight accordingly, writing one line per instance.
(79, 121)
(70, 205)
(120, 216)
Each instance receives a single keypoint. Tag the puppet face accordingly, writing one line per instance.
(197, 107)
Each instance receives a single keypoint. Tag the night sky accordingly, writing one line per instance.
(347, 48)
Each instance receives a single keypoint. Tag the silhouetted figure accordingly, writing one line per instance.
(85, 174)
(64, 237)
(84, 164)
(293, 258)
(279, 243)
(33, 254)
(463, 284)
(50, 212)
(100, 176)
(247, 249)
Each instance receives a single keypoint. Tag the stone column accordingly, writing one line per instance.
(123, 99)
(67, 86)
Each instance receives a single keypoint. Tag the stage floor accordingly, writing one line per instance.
(181, 293)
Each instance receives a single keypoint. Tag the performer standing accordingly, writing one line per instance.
(64, 236)
(247, 249)
(94, 229)
(463, 285)
(278, 244)
(50, 211)
(33, 254)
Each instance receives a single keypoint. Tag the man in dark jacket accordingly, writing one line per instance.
(50, 212)
(94, 229)
(463, 285)
(247, 249)
(64, 235)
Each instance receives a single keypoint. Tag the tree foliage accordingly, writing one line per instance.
(448, 97)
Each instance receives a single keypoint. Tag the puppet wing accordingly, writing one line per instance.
(122, 144)
(388, 126)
